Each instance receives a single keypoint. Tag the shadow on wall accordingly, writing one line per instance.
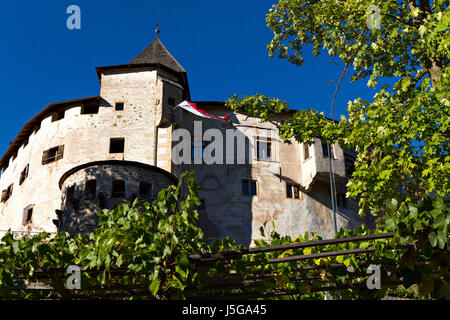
(225, 211)
(348, 211)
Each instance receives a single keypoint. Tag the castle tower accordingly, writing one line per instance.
(77, 156)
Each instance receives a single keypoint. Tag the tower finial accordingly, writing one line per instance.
(157, 30)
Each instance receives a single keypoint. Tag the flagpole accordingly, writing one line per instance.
(333, 195)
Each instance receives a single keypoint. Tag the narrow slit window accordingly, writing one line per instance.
(70, 193)
(91, 187)
(118, 189)
(28, 215)
(116, 145)
(24, 174)
(145, 189)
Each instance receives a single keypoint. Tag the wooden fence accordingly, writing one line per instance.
(258, 281)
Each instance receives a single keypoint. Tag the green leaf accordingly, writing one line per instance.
(119, 261)
(184, 261)
(154, 286)
(441, 239)
(439, 221)
(390, 224)
(392, 204)
(433, 238)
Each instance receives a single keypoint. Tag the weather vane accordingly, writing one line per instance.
(157, 30)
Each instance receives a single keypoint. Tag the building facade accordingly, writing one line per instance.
(78, 156)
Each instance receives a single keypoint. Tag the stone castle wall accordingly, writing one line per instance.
(79, 206)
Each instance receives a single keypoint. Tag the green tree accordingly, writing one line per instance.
(402, 135)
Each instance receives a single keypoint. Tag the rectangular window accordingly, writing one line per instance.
(91, 188)
(306, 150)
(27, 215)
(70, 193)
(171, 102)
(249, 187)
(263, 148)
(325, 150)
(6, 194)
(119, 106)
(118, 189)
(24, 174)
(349, 166)
(53, 154)
(145, 189)
(293, 191)
(116, 145)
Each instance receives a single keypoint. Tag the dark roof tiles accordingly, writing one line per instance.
(156, 52)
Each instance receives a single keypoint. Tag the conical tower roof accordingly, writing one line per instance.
(156, 52)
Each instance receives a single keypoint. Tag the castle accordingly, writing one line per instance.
(78, 156)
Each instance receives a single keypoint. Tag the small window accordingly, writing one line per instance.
(118, 189)
(306, 150)
(58, 115)
(119, 106)
(6, 194)
(201, 206)
(325, 150)
(53, 154)
(171, 102)
(293, 191)
(70, 193)
(249, 188)
(28, 215)
(263, 148)
(91, 187)
(24, 174)
(341, 200)
(349, 166)
(116, 145)
(145, 189)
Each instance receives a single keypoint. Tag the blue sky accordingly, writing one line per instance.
(220, 43)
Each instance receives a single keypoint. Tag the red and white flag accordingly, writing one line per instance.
(191, 107)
